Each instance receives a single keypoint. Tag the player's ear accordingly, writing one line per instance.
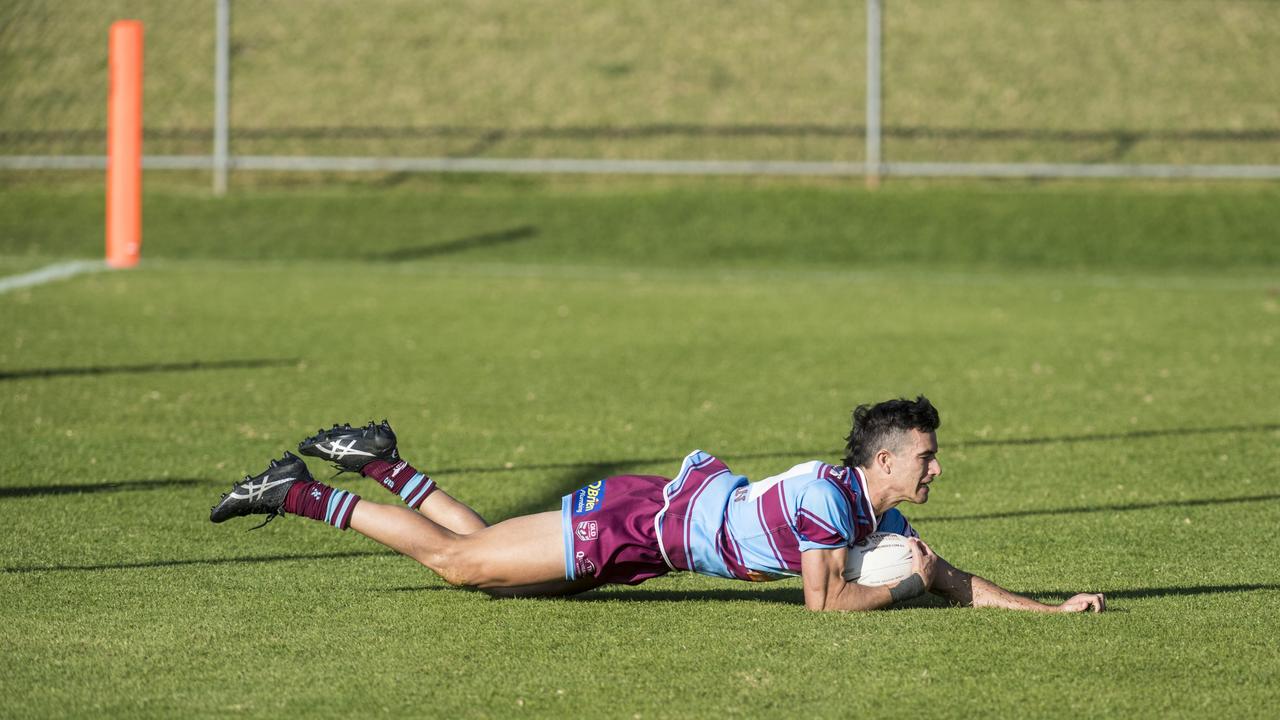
(884, 459)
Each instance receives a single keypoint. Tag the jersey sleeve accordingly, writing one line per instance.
(823, 518)
(895, 522)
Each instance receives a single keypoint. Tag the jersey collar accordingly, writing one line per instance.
(866, 498)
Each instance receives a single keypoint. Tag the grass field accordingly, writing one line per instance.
(1105, 366)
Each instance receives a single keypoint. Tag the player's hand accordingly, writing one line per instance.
(1084, 602)
(923, 561)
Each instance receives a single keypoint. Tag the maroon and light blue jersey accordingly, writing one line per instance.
(717, 523)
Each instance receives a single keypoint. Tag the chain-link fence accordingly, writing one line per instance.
(1011, 83)
(53, 75)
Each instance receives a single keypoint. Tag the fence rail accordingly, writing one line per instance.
(471, 141)
(278, 163)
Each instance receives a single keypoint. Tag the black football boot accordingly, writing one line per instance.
(351, 448)
(262, 493)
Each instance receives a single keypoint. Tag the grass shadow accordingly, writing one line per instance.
(1109, 437)
(463, 244)
(152, 564)
(836, 453)
(123, 486)
(1120, 507)
(195, 365)
(591, 471)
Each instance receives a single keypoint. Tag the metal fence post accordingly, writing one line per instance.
(873, 94)
(221, 82)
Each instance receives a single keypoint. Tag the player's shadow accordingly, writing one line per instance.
(549, 498)
(795, 595)
(195, 365)
(774, 595)
(620, 594)
(1156, 592)
(459, 245)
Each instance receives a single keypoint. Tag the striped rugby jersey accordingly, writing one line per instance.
(717, 523)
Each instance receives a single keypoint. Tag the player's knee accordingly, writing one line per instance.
(456, 564)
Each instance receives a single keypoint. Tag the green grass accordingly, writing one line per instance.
(1109, 425)
(921, 227)
(1138, 81)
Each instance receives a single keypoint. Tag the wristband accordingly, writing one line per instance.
(907, 589)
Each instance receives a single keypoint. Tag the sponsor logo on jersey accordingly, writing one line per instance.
(741, 494)
(588, 530)
(589, 498)
(582, 565)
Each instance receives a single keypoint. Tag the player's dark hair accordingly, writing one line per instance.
(876, 425)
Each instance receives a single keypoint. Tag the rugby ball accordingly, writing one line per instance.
(878, 559)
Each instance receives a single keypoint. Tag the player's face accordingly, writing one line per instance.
(919, 459)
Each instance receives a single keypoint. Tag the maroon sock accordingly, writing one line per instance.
(401, 478)
(321, 502)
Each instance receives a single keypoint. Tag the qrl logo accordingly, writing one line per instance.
(583, 565)
(588, 530)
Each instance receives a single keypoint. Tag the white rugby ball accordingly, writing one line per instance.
(879, 559)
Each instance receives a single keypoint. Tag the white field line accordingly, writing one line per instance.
(49, 273)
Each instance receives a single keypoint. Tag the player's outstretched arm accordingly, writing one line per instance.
(826, 589)
(965, 588)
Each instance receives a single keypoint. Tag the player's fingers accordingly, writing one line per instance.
(928, 551)
(917, 555)
(1102, 602)
(1085, 602)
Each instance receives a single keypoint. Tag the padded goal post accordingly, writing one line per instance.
(124, 144)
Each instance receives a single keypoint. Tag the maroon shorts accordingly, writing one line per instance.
(609, 533)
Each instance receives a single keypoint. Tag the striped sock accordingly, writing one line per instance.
(321, 502)
(401, 478)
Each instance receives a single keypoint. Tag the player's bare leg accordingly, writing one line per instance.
(522, 551)
(445, 510)
(520, 556)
